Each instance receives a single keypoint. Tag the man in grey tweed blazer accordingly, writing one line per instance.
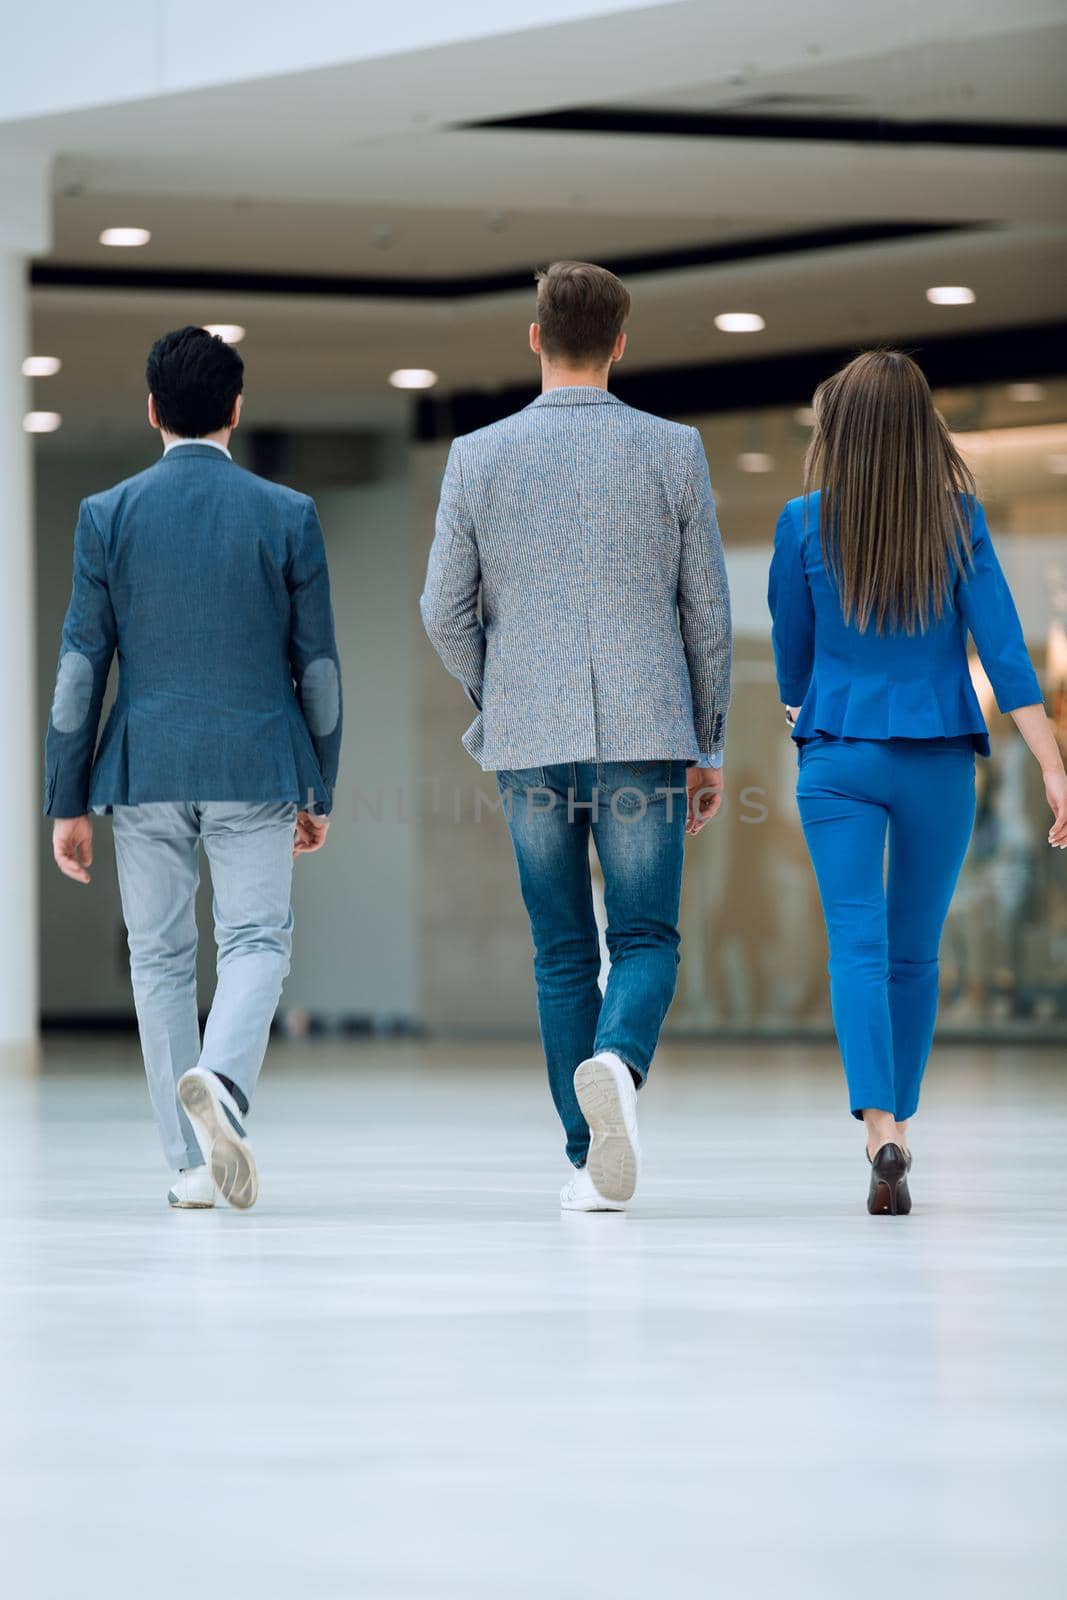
(576, 588)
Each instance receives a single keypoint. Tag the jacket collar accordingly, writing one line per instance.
(195, 452)
(577, 395)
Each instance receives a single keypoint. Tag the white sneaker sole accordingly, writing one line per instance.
(616, 1207)
(190, 1205)
(613, 1159)
(229, 1156)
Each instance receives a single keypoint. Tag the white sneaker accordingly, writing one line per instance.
(581, 1194)
(608, 1100)
(192, 1189)
(216, 1121)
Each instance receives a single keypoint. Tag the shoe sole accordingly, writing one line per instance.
(612, 1158)
(232, 1164)
(191, 1205)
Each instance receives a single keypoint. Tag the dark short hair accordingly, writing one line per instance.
(194, 378)
(580, 311)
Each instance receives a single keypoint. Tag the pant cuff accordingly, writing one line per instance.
(241, 1095)
(869, 1105)
(640, 1073)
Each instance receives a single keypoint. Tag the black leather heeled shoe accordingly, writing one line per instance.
(889, 1195)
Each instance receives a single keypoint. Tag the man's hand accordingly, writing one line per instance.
(310, 833)
(704, 790)
(72, 847)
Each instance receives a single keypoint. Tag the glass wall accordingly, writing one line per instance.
(755, 946)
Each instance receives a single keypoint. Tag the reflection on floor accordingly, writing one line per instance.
(405, 1374)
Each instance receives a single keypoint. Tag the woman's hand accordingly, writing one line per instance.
(1041, 740)
(1056, 794)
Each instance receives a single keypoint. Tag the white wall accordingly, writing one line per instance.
(354, 904)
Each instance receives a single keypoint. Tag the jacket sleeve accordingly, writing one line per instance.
(704, 605)
(792, 613)
(989, 611)
(449, 603)
(313, 658)
(88, 644)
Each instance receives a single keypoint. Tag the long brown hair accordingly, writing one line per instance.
(897, 496)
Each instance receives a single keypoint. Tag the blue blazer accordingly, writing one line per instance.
(892, 685)
(211, 585)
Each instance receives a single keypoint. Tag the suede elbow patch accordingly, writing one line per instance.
(74, 692)
(320, 696)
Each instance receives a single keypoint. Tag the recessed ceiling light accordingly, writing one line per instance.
(125, 238)
(1025, 391)
(740, 322)
(1057, 463)
(951, 295)
(805, 416)
(41, 421)
(413, 378)
(228, 332)
(755, 461)
(41, 366)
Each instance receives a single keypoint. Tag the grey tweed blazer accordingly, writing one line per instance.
(588, 531)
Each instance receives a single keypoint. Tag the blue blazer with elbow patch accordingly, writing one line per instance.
(211, 586)
(892, 685)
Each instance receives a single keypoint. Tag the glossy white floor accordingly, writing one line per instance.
(406, 1374)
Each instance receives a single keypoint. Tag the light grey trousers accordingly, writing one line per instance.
(250, 853)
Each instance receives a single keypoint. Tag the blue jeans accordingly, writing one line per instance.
(635, 813)
(250, 851)
(884, 925)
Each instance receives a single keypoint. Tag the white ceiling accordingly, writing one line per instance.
(960, 78)
(359, 169)
(376, 240)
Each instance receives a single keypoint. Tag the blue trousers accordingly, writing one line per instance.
(635, 814)
(884, 922)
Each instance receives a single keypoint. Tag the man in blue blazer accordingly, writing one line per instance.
(211, 586)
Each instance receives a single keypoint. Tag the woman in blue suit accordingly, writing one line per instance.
(880, 571)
